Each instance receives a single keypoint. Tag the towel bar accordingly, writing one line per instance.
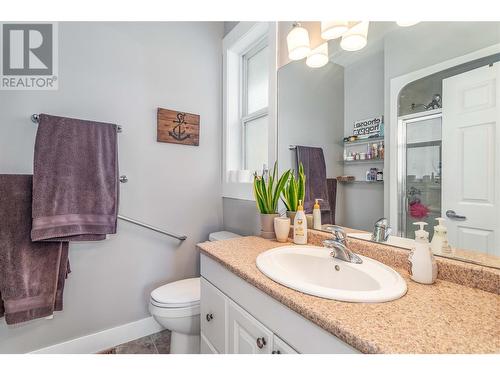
(35, 117)
(150, 227)
(123, 179)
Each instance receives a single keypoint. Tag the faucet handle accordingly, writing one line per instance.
(382, 222)
(338, 233)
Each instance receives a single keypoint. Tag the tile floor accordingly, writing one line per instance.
(157, 343)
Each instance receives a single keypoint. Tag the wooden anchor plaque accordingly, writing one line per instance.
(178, 127)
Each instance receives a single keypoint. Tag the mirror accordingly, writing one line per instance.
(406, 129)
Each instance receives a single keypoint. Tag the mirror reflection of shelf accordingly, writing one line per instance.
(361, 161)
(361, 182)
(364, 141)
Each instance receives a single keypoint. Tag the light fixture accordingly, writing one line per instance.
(318, 56)
(356, 37)
(406, 23)
(333, 29)
(298, 42)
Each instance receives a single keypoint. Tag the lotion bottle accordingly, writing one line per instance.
(317, 215)
(423, 267)
(300, 226)
(439, 237)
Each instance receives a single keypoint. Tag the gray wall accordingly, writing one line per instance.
(241, 216)
(121, 72)
(364, 98)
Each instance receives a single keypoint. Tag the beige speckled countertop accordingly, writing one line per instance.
(441, 318)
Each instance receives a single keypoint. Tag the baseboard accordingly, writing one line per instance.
(106, 339)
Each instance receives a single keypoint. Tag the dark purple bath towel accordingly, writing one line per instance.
(315, 170)
(75, 180)
(32, 274)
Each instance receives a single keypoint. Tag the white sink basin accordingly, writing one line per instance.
(311, 270)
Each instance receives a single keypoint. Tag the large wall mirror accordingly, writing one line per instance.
(406, 129)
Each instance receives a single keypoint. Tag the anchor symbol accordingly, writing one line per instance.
(178, 132)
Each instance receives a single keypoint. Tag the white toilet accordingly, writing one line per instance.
(176, 306)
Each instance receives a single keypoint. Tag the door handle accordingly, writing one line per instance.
(261, 342)
(453, 215)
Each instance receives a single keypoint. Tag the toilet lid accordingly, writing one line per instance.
(180, 293)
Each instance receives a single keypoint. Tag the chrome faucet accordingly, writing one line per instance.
(381, 230)
(338, 245)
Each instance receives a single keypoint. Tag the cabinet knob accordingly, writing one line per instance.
(261, 342)
(209, 317)
(275, 352)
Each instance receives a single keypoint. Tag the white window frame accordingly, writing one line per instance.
(246, 117)
(244, 38)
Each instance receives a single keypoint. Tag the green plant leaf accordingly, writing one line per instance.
(279, 188)
(301, 189)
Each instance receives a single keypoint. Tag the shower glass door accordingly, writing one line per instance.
(421, 172)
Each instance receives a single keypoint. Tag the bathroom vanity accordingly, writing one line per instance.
(238, 318)
(244, 311)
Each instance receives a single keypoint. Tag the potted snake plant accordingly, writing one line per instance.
(267, 191)
(295, 190)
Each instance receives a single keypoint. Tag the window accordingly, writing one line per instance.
(249, 105)
(254, 117)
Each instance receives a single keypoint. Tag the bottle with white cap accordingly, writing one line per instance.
(317, 214)
(439, 237)
(423, 267)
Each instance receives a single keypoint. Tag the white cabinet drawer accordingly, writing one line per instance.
(213, 307)
(246, 334)
(281, 347)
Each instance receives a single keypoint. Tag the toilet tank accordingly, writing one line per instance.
(223, 235)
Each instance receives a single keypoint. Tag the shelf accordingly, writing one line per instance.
(367, 161)
(362, 141)
(360, 182)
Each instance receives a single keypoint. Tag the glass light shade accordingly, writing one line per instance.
(333, 29)
(318, 56)
(298, 43)
(356, 37)
(406, 23)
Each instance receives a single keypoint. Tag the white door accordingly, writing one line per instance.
(246, 334)
(471, 159)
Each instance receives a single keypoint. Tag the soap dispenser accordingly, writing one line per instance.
(300, 226)
(439, 237)
(423, 267)
(317, 215)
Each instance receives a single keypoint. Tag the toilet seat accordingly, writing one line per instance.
(175, 312)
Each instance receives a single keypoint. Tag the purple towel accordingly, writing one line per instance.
(75, 180)
(32, 274)
(313, 160)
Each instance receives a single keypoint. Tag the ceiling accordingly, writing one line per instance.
(376, 34)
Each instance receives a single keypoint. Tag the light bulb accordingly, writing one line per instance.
(298, 42)
(356, 37)
(406, 23)
(333, 29)
(318, 57)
